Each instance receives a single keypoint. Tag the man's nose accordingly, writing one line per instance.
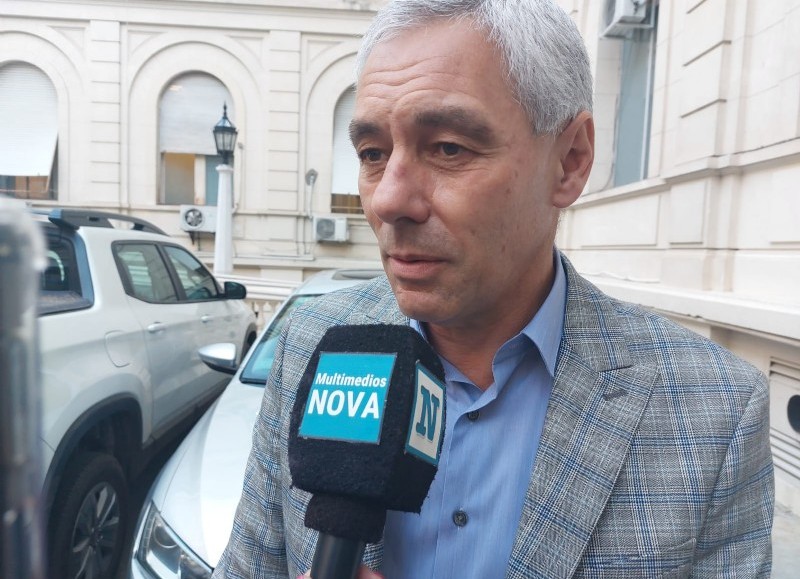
(403, 190)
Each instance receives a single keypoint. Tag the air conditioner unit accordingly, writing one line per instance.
(330, 229)
(198, 218)
(622, 16)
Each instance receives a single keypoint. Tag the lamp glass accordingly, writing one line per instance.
(225, 136)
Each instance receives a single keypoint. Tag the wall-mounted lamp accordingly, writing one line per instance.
(311, 177)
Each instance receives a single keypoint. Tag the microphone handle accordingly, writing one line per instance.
(336, 558)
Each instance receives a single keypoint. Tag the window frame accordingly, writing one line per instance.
(625, 141)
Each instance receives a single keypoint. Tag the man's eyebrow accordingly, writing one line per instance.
(360, 129)
(459, 120)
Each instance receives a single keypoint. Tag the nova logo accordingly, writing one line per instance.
(332, 403)
(347, 397)
(427, 420)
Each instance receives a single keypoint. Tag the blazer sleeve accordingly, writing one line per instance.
(257, 548)
(735, 540)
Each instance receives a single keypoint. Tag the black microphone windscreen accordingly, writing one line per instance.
(367, 428)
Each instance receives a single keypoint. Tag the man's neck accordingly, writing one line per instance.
(471, 354)
(472, 348)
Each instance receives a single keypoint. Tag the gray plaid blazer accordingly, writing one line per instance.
(654, 460)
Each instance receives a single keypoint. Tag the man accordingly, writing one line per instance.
(585, 437)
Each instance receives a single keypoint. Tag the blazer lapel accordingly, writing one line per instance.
(598, 397)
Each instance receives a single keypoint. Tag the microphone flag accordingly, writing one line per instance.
(367, 427)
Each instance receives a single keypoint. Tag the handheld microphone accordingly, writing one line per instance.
(365, 435)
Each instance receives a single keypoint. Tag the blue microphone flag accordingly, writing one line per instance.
(348, 397)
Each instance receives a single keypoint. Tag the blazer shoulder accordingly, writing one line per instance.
(365, 303)
(682, 355)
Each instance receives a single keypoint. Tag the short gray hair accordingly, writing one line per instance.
(545, 58)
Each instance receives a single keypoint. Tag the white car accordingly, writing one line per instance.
(123, 309)
(188, 517)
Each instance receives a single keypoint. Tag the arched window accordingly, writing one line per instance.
(29, 123)
(344, 183)
(189, 108)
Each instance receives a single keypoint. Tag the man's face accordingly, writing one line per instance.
(453, 181)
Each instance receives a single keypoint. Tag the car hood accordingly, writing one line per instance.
(199, 489)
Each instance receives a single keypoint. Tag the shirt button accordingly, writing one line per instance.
(460, 518)
(473, 416)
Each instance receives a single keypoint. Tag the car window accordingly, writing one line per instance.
(197, 281)
(145, 275)
(59, 283)
(54, 277)
(260, 362)
(57, 274)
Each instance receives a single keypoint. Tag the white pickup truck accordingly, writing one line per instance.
(123, 309)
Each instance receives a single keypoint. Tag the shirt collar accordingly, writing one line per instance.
(547, 325)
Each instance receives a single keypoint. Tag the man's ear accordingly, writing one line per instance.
(575, 147)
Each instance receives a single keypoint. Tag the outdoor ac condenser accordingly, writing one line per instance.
(198, 218)
(622, 16)
(330, 229)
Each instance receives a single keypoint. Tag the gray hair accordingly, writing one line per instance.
(545, 58)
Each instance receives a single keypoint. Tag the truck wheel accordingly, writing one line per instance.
(89, 519)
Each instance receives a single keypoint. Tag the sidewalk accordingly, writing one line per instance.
(785, 544)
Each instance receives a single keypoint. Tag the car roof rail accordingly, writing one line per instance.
(75, 218)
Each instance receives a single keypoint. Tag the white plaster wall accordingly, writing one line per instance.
(720, 210)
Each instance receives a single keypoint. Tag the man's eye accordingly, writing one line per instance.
(370, 155)
(450, 149)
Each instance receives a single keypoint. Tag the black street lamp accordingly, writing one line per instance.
(225, 136)
(225, 139)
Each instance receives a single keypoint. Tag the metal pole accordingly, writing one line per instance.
(223, 238)
(21, 259)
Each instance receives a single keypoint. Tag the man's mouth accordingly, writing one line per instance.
(412, 266)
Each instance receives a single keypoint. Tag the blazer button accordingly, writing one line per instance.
(473, 416)
(460, 518)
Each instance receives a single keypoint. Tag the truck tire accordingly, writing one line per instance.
(89, 519)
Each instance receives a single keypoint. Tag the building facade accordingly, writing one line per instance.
(126, 96)
(693, 206)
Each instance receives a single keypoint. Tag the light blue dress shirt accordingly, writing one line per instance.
(469, 521)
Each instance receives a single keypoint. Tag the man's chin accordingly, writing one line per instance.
(421, 306)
